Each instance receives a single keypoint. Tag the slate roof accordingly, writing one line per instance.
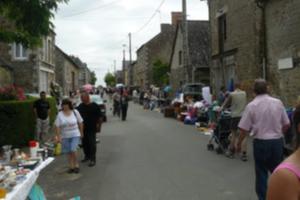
(198, 40)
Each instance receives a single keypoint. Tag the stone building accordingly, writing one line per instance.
(84, 73)
(283, 48)
(67, 72)
(158, 48)
(235, 42)
(33, 69)
(252, 39)
(198, 55)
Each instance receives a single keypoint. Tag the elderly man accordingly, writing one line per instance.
(92, 116)
(266, 118)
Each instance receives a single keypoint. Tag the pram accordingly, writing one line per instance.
(220, 134)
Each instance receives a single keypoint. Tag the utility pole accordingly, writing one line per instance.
(123, 63)
(185, 48)
(130, 62)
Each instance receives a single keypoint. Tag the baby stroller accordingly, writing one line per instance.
(221, 134)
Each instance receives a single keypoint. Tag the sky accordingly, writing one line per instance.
(97, 30)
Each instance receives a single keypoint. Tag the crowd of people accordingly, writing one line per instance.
(264, 118)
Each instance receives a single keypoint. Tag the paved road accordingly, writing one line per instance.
(150, 157)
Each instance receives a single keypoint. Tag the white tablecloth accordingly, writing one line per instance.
(21, 191)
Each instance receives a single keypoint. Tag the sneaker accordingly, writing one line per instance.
(76, 170)
(92, 164)
(244, 157)
(70, 171)
(85, 160)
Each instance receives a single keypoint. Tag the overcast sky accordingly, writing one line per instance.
(95, 30)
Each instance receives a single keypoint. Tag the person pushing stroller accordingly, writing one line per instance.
(236, 101)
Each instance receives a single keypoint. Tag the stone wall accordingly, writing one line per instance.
(283, 41)
(241, 55)
(158, 48)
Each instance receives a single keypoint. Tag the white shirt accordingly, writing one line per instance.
(69, 124)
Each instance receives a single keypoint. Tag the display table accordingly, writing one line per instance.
(21, 191)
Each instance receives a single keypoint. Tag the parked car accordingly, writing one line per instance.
(194, 90)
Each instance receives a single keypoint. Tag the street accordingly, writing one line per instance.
(150, 157)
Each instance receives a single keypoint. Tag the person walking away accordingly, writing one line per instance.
(41, 109)
(92, 116)
(237, 100)
(284, 182)
(69, 130)
(267, 119)
(123, 103)
(116, 103)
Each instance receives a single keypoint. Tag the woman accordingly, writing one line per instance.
(69, 130)
(285, 181)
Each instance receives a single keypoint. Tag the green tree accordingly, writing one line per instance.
(160, 73)
(93, 78)
(27, 20)
(110, 79)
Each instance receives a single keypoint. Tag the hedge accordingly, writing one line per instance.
(17, 121)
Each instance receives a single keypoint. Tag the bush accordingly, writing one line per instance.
(17, 121)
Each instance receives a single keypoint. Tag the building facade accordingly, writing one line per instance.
(67, 72)
(236, 32)
(33, 69)
(283, 48)
(198, 55)
(158, 48)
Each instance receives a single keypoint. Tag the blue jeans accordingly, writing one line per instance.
(268, 154)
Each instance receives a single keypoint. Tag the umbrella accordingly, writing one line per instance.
(88, 87)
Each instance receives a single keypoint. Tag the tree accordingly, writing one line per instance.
(27, 21)
(93, 78)
(110, 79)
(160, 73)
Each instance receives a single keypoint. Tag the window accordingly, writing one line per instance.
(180, 57)
(19, 52)
(49, 51)
(222, 24)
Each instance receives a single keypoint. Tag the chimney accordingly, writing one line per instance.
(177, 17)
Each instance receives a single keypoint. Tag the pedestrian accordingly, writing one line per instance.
(237, 100)
(116, 103)
(92, 116)
(267, 119)
(69, 130)
(123, 103)
(284, 182)
(41, 109)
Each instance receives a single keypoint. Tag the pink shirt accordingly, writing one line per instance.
(265, 116)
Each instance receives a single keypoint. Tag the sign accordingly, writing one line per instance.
(286, 63)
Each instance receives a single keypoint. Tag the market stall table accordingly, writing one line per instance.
(21, 191)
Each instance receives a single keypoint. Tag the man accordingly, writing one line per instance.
(237, 100)
(91, 115)
(267, 119)
(41, 109)
(123, 103)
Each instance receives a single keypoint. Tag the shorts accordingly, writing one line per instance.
(70, 145)
(42, 126)
(234, 123)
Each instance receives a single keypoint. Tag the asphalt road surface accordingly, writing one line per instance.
(150, 157)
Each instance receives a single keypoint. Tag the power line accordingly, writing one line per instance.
(151, 18)
(92, 9)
